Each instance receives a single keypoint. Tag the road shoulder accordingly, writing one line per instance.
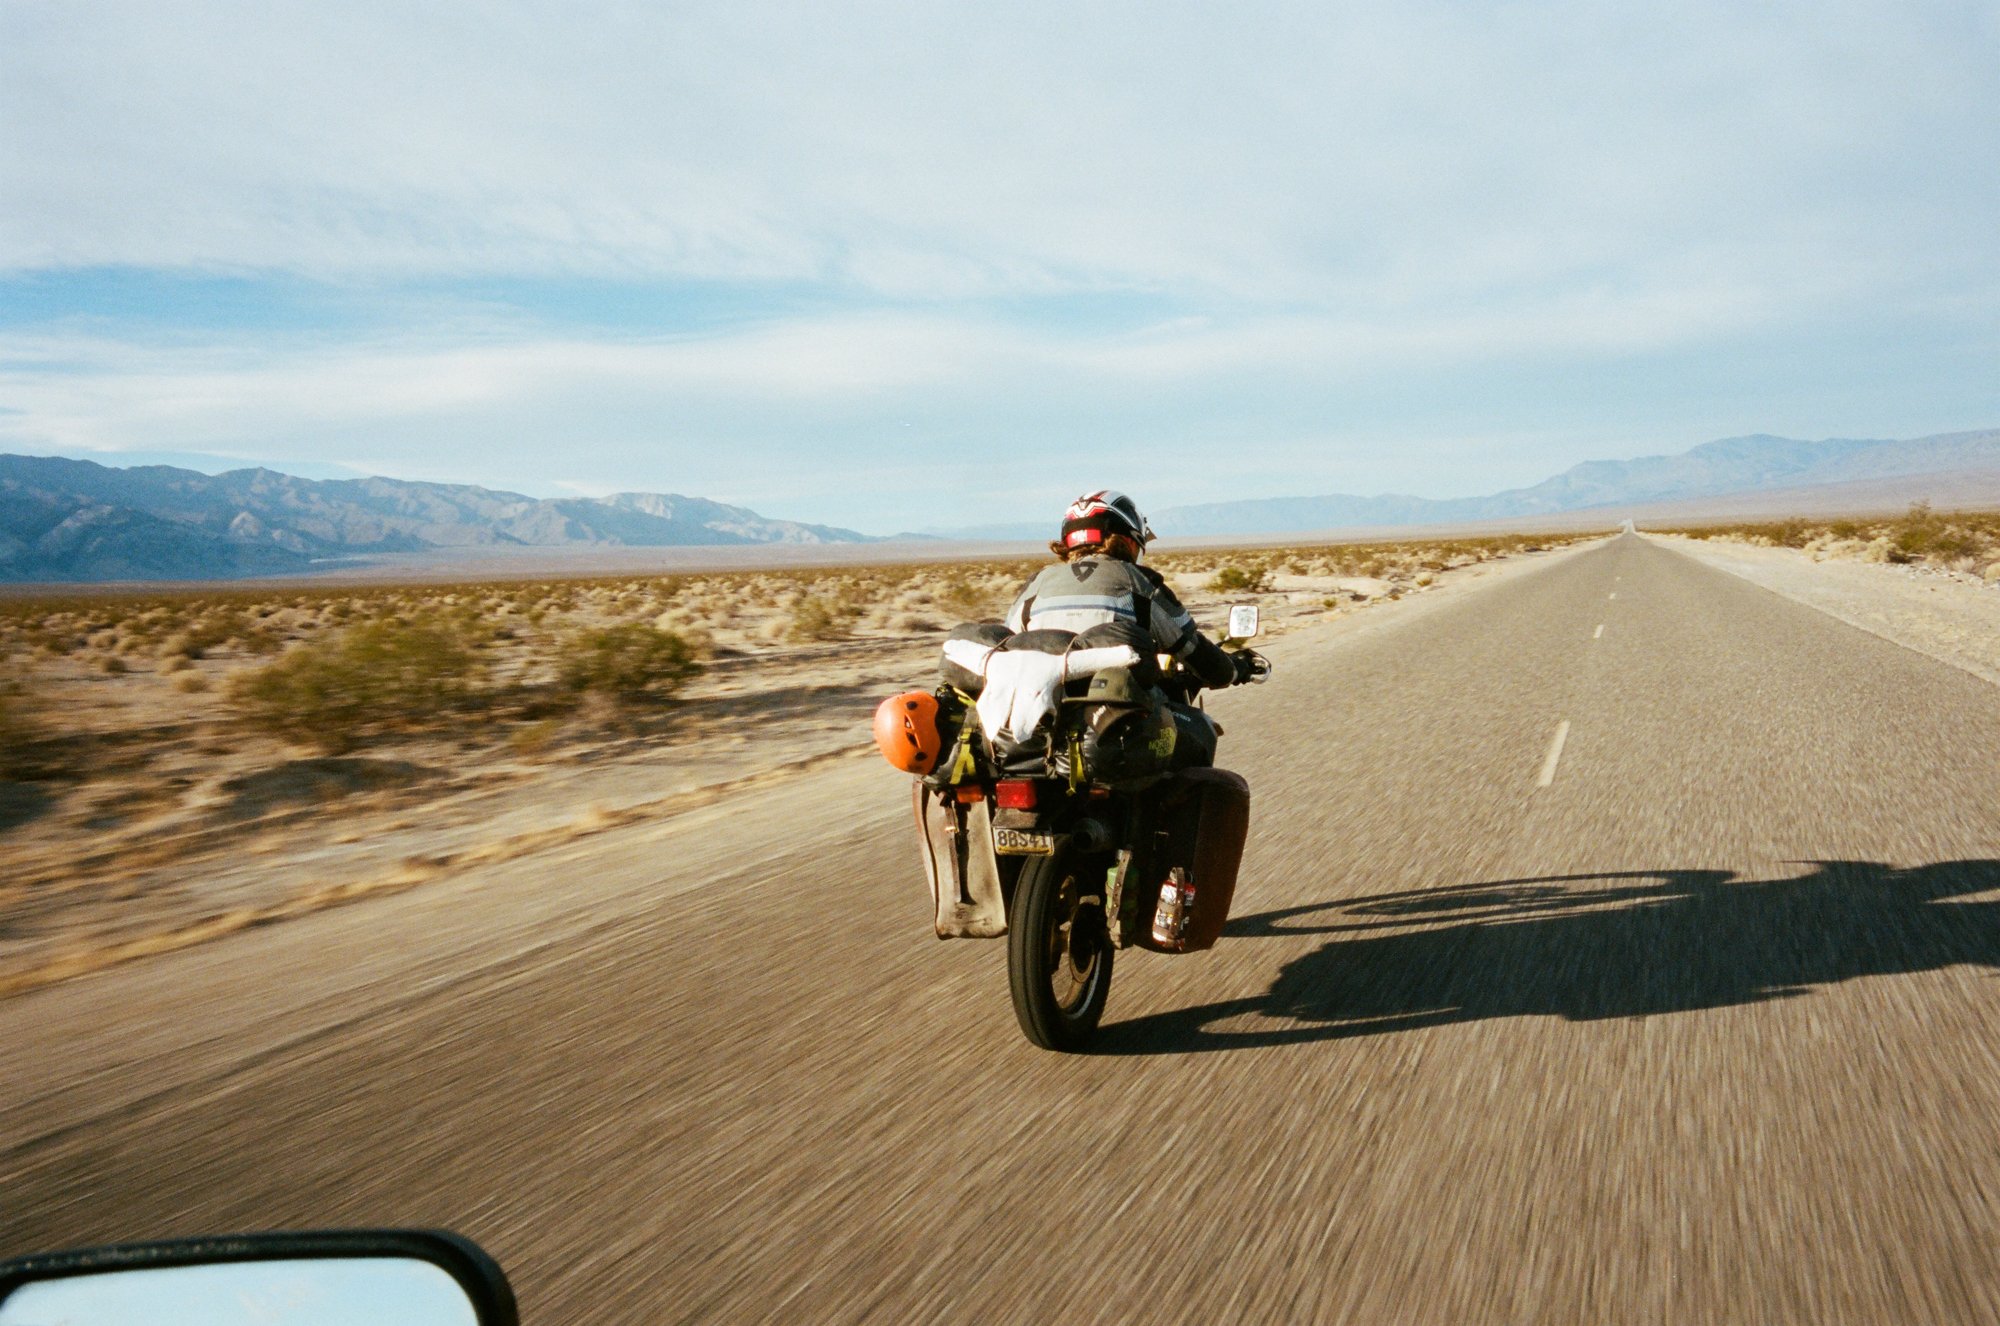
(1949, 618)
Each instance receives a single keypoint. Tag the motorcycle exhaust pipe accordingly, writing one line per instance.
(1092, 836)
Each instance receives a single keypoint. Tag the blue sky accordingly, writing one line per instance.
(892, 266)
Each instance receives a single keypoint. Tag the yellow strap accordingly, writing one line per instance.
(965, 763)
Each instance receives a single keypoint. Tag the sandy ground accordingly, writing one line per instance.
(1950, 616)
(186, 828)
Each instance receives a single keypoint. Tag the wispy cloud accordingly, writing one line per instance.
(109, 395)
(1339, 154)
(1373, 245)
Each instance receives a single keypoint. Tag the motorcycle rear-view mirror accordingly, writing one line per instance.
(395, 1277)
(1243, 619)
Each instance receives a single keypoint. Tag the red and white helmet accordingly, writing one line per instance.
(1096, 518)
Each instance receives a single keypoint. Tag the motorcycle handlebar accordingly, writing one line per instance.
(1173, 671)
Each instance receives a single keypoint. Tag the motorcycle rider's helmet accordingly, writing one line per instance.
(1104, 521)
(907, 731)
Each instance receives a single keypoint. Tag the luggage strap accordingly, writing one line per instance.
(965, 762)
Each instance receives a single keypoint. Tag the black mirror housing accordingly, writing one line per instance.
(475, 1273)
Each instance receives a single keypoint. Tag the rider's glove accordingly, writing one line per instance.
(1246, 665)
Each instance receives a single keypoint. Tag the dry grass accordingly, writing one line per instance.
(628, 663)
(1241, 580)
(336, 692)
(819, 617)
(500, 666)
(19, 732)
(1965, 541)
(1400, 564)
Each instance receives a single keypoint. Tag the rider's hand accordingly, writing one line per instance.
(1246, 665)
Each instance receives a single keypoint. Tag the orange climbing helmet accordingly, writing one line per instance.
(907, 731)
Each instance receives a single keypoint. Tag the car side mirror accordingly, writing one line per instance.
(1243, 620)
(393, 1277)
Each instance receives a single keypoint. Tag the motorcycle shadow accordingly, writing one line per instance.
(1584, 948)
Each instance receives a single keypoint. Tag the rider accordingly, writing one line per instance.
(1100, 583)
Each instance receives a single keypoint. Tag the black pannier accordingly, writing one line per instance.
(1206, 816)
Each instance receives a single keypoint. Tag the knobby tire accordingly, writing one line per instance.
(1042, 957)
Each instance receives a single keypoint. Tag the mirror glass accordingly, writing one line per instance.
(329, 1291)
(1243, 621)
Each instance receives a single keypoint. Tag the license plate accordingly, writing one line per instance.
(1023, 842)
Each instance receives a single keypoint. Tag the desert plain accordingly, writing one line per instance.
(182, 764)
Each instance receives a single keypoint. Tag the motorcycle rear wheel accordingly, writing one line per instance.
(1058, 951)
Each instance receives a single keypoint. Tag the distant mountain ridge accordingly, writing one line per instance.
(1731, 465)
(75, 520)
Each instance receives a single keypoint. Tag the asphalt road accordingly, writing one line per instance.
(1695, 1022)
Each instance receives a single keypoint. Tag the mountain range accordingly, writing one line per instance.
(1735, 465)
(75, 520)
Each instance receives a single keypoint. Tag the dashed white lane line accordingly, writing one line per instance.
(1598, 634)
(1614, 593)
(1548, 774)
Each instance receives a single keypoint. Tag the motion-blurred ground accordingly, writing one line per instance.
(183, 765)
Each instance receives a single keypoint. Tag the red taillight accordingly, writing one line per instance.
(1014, 795)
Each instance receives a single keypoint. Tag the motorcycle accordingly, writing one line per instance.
(1061, 819)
